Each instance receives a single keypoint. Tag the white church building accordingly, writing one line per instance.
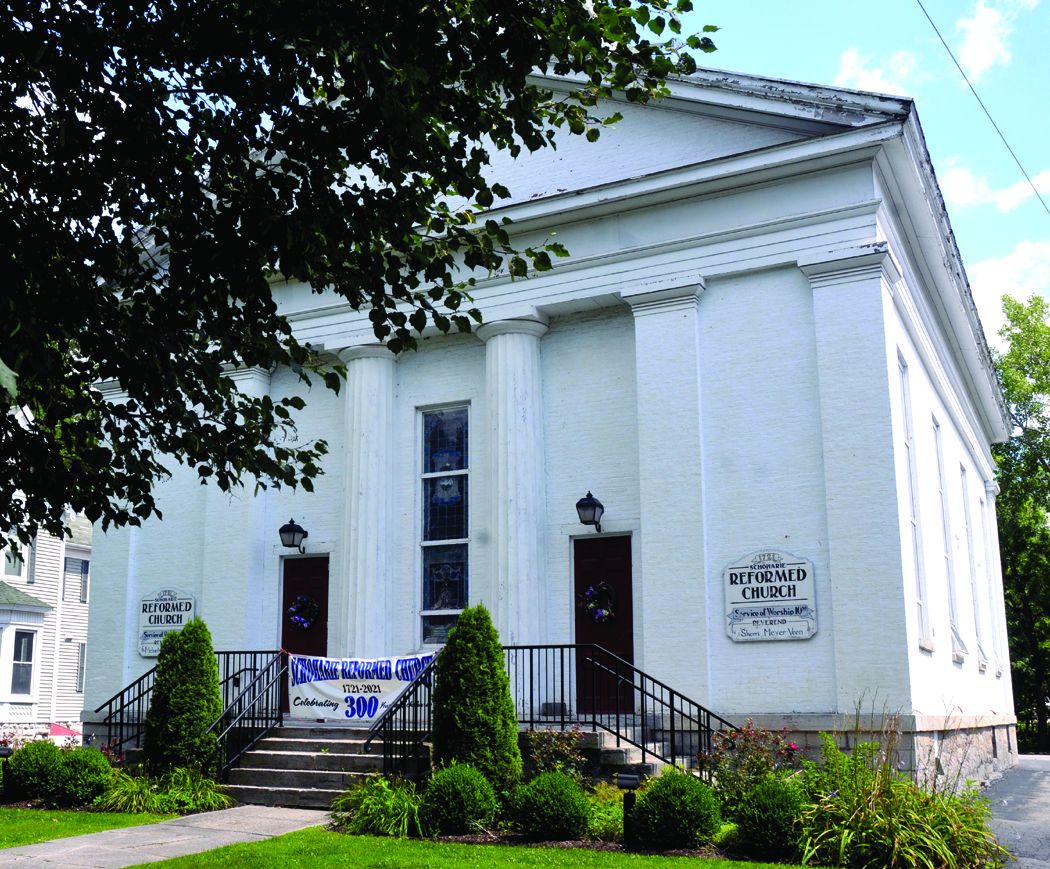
(763, 359)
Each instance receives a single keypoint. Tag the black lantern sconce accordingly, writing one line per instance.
(590, 510)
(293, 535)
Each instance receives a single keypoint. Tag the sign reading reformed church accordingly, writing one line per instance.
(770, 596)
(160, 613)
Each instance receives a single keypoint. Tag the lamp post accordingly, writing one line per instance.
(293, 535)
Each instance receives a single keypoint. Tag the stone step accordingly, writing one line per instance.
(299, 779)
(280, 742)
(311, 760)
(292, 797)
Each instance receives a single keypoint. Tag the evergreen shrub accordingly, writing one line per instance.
(37, 772)
(457, 799)
(474, 720)
(769, 818)
(87, 775)
(552, 806)
(186, 702)
(675, 811)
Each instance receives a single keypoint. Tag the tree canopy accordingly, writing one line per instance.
(163, 162)
(1023, 506)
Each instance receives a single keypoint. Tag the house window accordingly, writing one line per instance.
(75, 573)
(445, 535)
(81, 662)
(982, 658)
(22, 663)
(911, 482)
(959, 649)
(13, 564)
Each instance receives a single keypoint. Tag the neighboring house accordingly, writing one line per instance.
(762, 357)
(43, 634)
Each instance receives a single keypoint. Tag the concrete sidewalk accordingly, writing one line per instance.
(189, 835)
(1020, 803)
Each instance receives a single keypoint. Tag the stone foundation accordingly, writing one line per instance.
(18, 733)
(947, 752)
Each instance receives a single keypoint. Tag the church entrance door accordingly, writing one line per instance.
(304, 610)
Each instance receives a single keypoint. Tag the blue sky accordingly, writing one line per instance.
(1004, 46)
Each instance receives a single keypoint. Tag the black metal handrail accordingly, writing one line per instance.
(406, 724)
(251, 714)
(558, 686)
(125, 711)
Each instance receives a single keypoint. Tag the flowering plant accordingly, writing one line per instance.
(304, 611)
(598, 603)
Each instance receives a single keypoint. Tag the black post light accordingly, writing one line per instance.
(590, 510)
(293, 535)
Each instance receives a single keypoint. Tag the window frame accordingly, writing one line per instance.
(35, 651)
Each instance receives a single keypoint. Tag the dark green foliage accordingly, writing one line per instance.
(458, 799)
(73, 777)
(865, 814)
(675, 811)
(181, 792)
(769, 819)
(186, 702)
(37, 771)
(88, 774)
(742, 757)
(379, 807)
(550, 807)
(474, 720)
(554, 751)
(163, 160)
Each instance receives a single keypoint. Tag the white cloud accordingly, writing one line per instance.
(1022, 273)
(986, 34)
(962, 188)
(897, 74)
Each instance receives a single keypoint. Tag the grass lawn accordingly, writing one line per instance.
(27, 826)
(319, 849)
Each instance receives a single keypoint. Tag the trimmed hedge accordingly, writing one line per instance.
(769, 818)
(186, 701)
(458, 799)
(552, 806)
(676, 811)
(474, 720)
(73, 777)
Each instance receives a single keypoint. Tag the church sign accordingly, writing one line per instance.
(160, 613)
(770, 595)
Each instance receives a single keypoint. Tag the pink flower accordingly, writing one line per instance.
(792, 746)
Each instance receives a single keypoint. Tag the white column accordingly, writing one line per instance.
(361, 594)
(671, 575)
(515, 427)
(857, 374)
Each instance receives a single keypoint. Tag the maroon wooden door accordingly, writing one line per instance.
(604, 616)
(304, 610)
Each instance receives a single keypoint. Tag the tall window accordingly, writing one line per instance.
(911, 482)
(13, 564)
(22, 664)
(993, 610)
(76, 572)
(982, 658)
(959, 649)
(445, 526)
(81, 663)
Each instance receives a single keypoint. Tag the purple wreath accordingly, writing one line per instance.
(304, 611)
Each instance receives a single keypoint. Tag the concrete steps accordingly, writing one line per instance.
(304, 767)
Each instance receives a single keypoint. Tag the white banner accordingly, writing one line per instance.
(353, 690)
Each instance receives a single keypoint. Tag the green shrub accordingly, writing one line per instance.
(606, 819)
(554, 751)
(38, 772)
(181, 792)
(741, 757)
(378, 807)
(458, 799)
(474, 720)
(87, 775)
(769, 818)
(552, 806)
(865, 814)
(186, 701)
(675, 811)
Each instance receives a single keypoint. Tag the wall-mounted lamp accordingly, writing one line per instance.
(293, 535)
(590, 510)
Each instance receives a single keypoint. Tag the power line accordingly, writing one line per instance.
(980, 102)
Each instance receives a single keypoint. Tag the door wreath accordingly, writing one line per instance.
(599, 602)
(304, 612)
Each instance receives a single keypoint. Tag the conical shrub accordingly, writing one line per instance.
(474, 720)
